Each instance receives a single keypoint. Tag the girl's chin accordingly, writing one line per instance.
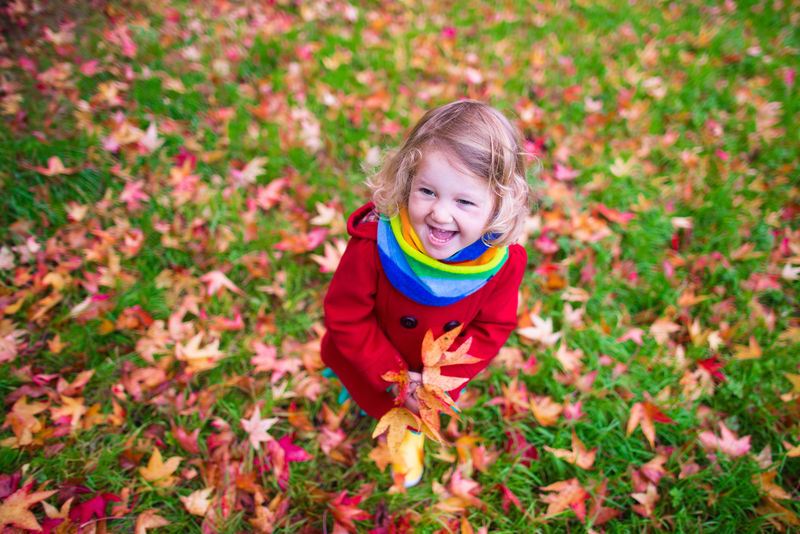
(440, 252)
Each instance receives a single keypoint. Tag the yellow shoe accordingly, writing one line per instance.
(409, 459)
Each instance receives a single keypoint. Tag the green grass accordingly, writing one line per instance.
(313, 88)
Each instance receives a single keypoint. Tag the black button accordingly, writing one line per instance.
(408, 321)
(451, 325)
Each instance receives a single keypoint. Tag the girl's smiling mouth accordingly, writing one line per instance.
(440, 237)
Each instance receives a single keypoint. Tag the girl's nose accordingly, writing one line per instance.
(440, 213)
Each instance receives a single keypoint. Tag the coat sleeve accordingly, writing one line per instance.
(496, 319)
(350, 317)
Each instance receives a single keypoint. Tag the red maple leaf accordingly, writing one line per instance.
(345, 510)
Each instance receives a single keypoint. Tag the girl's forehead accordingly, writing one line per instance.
(437, 157)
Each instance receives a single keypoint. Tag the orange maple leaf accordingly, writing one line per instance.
(566, 494)
(546, 411)
(400, 377)
(578, 455)
(434, 357)
(14, 510)
(644, 414)
(430, 404)
(159, 472)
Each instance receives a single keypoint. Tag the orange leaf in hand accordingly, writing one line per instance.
(398, 376)
(397, 420)
(430, 405)
(434, 357)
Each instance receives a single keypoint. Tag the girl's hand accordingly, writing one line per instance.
(414, 382)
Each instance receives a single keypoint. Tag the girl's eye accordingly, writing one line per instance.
(466, 202)
(425, 191)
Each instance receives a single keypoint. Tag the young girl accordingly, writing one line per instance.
(432, 251)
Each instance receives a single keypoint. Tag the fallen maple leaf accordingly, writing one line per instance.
(196, 358)
(149, 519)
(216, 281)
(345, 510)
(644, 414)
(132, 194)
(257, 427)
(566, 494)
(460, 494)
(647, 500)
(14, 510)
(266, 360)
(790, 272)
(197, 502)
(54, 167)
(599, 514)
(545, 410)
(329, 260)
(662, 328)
(728, 444)
(542, 331)
(570, 359)
(578, 455)
(250, 172)
(634, 334)
(23, 422)
(149, 142)
(159, 472)
(748, 352)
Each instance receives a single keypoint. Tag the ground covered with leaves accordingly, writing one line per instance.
(175, 180)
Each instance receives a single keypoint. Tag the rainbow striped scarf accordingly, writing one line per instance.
(429, 281)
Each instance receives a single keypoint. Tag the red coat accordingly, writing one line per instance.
(369, 322)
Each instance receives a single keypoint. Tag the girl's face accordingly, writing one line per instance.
(449, 209)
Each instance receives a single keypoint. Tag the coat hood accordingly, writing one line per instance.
(357, 227)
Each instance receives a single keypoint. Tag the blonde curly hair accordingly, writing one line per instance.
(484, 142)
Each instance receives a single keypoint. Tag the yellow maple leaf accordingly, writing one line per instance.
(159, 472)
(397, 420)
(748, 352)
